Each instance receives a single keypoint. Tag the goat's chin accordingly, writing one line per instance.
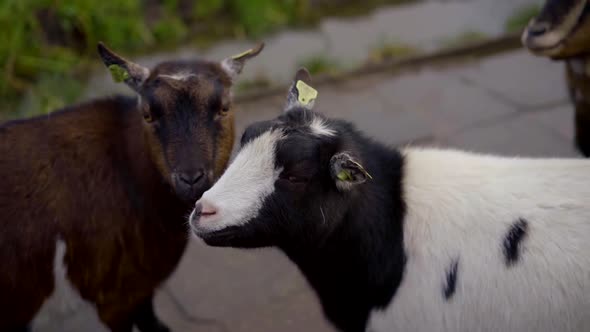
(189, 196)
(231, 237)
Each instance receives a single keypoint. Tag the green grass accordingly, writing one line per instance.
(259, 82)
(320, 64)
(464, 38)
(519, 20)
(50, 47)
(391, 50)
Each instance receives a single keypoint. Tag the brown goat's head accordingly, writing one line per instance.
(561, 30)
(186, 110)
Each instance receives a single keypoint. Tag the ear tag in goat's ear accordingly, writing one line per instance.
(243, 54)
(306, 94)
(118, 73)
(344, 176)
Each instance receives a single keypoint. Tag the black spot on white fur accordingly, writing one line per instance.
(451, 280)
(512, 241)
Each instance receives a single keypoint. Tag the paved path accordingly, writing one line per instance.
(512, 104)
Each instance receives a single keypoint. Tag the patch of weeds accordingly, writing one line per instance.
(170, 30)
(464, 38)
(259, 82)
(391, 50)
(519, 20)
(320, 64)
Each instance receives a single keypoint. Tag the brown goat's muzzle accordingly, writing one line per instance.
(190, 185)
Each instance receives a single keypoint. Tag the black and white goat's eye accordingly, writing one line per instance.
(295, 179)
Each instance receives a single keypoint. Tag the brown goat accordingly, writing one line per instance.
(562, 31)
(110, 182)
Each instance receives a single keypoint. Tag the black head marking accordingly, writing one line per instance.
(513, 239)
(451, 280)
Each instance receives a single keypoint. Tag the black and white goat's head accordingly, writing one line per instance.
(292, 178)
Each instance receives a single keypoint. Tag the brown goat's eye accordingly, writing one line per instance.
(147, 116)
(224, 109)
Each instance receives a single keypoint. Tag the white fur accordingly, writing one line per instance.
(65, 309)
(241, 190)
(461, 206)
(319, 127)
(551, 41)
(180, 76)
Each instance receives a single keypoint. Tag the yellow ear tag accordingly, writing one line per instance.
(307, 94)
(243, 54)
(118, 73)
(344, 176)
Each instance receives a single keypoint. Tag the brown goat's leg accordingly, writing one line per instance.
(583, 127)
(145, 318)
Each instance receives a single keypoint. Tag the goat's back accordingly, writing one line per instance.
(493, 244)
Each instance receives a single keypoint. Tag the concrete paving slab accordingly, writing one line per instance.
(520, 78)
(515, 136)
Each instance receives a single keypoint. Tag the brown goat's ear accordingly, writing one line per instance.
(301, 94)
(123, 70)
(347, 172)
(233, 65)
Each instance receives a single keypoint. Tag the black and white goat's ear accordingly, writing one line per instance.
(301, 94)
(347, 172)
(233, 65)
(123, 70)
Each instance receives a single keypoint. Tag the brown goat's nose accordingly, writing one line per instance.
(191, 178)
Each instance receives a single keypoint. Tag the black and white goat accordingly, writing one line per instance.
(410, 239)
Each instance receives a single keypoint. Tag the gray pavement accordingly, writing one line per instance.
(512, 104)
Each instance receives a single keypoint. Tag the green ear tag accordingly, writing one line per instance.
(307, 94)
(119, 73)
(243, 54)
(344, 176)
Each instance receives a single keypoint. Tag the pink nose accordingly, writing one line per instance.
(204, 209)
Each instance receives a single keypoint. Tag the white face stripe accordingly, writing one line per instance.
(180, 76)
(241, 190)
(319, 127)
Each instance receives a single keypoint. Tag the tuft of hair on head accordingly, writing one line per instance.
(233, 65)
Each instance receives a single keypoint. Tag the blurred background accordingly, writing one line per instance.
(48, 51)
(426, 72)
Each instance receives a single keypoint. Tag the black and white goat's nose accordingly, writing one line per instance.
(203, 209)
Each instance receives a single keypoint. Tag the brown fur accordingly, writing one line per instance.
(575, 51)
(101, 178)
(579, 85)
